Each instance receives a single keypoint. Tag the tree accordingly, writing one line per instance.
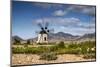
(16, 41)
(28, 42)
(61, 44)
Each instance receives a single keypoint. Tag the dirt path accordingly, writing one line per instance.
(22, 59)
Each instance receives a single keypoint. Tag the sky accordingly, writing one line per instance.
(67, 18)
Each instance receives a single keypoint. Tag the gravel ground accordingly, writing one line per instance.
(24, 59)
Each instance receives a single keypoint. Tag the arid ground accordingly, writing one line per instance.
(24, 59)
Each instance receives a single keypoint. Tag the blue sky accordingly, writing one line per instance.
(74, 19)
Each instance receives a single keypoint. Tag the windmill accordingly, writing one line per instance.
(44, 32)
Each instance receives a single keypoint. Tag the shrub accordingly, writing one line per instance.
(84, 50)
(61, 51)
(48, 56)
(89, 56)
(42, 43)
(27, 50)
(34, 50)
(28, 42)
(16, 42)
(61, 45)
(73, 51)
(69, 51)
(18, 50)
(72, 48)
(53, 48)
(25, 45)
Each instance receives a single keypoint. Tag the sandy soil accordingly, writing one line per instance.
(24, 59)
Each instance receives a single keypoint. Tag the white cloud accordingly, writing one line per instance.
(39, 21)
(61, 21)
(59, 13)
(72, 21)
(75, 30)
(86, 25)
(69, 25)
(66, 22)
(89, 10)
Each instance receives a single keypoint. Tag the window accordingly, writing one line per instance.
(45, 38)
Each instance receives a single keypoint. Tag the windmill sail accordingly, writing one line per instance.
(44, 32)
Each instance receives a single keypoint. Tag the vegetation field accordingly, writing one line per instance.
(51, 52)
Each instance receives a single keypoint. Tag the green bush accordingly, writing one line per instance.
(53, 48)
(84, 50)
(42, 43)
(27, 50)
(16, 42)
(72, 51)
(72, 48)
(87, 45)
(18, 50)
(48, 56)
(61, 45)
(25, 45)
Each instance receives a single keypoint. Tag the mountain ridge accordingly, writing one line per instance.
(61, 36)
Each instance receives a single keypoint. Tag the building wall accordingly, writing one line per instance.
(42, 38)
(23, 42)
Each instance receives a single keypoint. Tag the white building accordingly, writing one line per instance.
(42, 37)
(23, 42)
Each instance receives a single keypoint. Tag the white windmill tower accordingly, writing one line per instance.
(43, 33)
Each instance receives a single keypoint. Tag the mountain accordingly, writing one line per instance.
(61, 36)
(88, 36)
(16, 38)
